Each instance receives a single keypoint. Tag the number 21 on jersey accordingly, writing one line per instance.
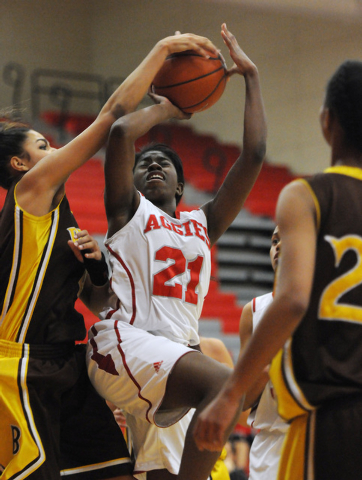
(179, 266)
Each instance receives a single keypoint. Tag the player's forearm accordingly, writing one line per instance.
(136, 124)
(274, 329)
(130, 93)
(255, 125)
(95, 298)
(255, 391)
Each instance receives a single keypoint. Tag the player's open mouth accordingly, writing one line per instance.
(155, 176)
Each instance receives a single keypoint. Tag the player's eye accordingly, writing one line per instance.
(44, 145)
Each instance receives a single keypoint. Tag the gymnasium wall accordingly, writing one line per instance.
(295, 54)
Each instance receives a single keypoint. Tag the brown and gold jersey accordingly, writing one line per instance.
(39, 275)
(326, 348)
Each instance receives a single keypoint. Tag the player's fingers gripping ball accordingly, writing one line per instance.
(190, 81)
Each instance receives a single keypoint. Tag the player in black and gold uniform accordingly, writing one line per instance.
(46, 400)
(52, 423)
(317, 309)
(318, 373)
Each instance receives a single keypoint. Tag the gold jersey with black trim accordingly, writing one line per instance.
(39, 275)
(323, 359)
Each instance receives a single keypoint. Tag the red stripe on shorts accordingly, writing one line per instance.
(105, 363)
(129, 371)
(131, 282)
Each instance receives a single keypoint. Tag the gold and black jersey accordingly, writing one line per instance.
(326, 348)
(39, 275)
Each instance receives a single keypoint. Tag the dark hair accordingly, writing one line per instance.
(12, 138)
(344, 98)
(171, 154)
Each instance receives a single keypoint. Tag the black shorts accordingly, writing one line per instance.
(338, 440)
(52, 421)
(325, 444)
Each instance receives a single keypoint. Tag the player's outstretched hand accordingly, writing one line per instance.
(214, 423)
(189, 41)
(175, 112)
(84, 241)
(242, 63)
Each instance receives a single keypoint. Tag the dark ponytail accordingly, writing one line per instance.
(12, 138)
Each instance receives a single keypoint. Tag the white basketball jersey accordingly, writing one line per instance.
(265, 415)
(161, 270)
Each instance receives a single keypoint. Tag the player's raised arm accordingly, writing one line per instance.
(121, 196)
(36, 190)
(222, 210)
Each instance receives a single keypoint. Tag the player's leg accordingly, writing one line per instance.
(194, 381)
(139, 379)
(158, 449)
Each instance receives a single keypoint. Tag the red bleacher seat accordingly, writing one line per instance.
(73, 123)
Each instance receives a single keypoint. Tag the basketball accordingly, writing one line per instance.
(190, 81)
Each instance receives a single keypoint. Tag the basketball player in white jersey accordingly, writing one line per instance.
(143, 356)
(266, 446)
(172, 439)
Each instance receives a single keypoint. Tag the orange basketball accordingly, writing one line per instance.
(190, 81)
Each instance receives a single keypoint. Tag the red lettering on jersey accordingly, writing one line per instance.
(188, 229)
(194, 268)
(198, 229)
(207, 240)
(165, 223)
(177, 229)
(152, 224)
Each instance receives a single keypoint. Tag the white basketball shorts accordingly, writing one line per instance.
(130, 367)
(265, 454)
